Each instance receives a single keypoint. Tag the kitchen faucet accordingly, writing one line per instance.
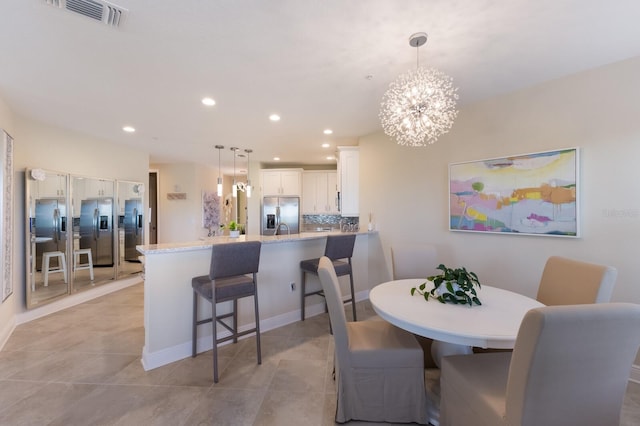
(278, 228)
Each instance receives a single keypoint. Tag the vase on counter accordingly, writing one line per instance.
(234, 234)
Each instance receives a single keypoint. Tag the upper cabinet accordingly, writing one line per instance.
(319, 192)
(349, 180)
(280, 182)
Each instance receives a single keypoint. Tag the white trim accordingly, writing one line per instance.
(635, 373)
(151, 360)
(5, 332)
(75, 299)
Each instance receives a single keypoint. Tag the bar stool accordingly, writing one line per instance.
(48, 269)
(233, 276)
(337, 247)
(76, 261)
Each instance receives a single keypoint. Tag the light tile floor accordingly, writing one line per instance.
(82, 366)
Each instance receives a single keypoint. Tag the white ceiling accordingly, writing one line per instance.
(307, 60)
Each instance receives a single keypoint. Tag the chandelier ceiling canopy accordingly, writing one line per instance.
(420, 105)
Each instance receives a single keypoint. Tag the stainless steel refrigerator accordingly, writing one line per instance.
(133, 227)
(50, 228)
(278, 212)
(96, 229)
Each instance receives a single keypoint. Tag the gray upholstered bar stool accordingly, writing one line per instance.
(233, 276)
(338, 247)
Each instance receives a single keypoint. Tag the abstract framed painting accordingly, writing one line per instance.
(528, 194)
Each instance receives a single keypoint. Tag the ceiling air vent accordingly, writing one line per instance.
(102, 11)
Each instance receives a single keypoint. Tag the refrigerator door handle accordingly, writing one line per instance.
(95, 224)
(56, 226)
(135, 221)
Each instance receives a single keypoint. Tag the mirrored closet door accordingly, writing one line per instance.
(81, 231)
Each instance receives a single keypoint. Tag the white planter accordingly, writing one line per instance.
(234, 234)
(443, 289)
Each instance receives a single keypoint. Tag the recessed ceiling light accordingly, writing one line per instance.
(129, 129)
(330, 157)
(208, 101)
(274, 117)
(327, 131)
(326, 145)
(276, 158)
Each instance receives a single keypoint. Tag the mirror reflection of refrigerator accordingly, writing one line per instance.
(96, 229)
(50, 228)
(133, 227)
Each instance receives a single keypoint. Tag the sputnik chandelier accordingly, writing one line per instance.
(419, 105)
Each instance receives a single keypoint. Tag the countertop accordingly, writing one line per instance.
(265, 239)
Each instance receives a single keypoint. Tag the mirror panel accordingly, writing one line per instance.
(94, 231)
(130, 227)
(47, 233)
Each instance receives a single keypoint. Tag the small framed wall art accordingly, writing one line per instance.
(528, 194)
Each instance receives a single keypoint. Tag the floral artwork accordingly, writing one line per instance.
(210, 210)
(531, 194)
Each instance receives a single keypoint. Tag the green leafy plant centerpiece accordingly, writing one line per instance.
(234, 230)
(451, 286)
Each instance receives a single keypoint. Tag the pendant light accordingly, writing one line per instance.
(219, 147)
(248, 151)
(420, 105)
(234, 188)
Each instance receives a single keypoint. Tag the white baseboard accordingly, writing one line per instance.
(151, 360)
(5, 332)
(635, 373)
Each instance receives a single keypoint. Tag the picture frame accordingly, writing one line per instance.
(210, 210)
(6, 213)
(527, 194)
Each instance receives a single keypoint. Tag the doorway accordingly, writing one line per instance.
(153, 207)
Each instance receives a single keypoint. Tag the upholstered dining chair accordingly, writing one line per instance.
(413, 261)
(569, 282)
(569, 367)
(416, 261)
(379, 372)
(232, 276)
(339, 248)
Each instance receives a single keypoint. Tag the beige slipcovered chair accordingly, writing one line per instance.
(571, 282)
(416, 261)
(413, 261)
(379, 373)
(569, 367)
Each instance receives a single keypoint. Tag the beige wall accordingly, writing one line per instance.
(181, 220)
(598, 110)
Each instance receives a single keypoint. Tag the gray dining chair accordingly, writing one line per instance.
(569, 367)
(339, 248)
(378, 367)
(232, 276)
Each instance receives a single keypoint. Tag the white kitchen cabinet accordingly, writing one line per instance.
(281, 182)
(319, 192)
(349, 180)
(52, 186)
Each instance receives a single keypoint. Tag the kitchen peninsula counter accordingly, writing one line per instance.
(168, 297)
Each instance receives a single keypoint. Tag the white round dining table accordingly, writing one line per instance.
(494, 324)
